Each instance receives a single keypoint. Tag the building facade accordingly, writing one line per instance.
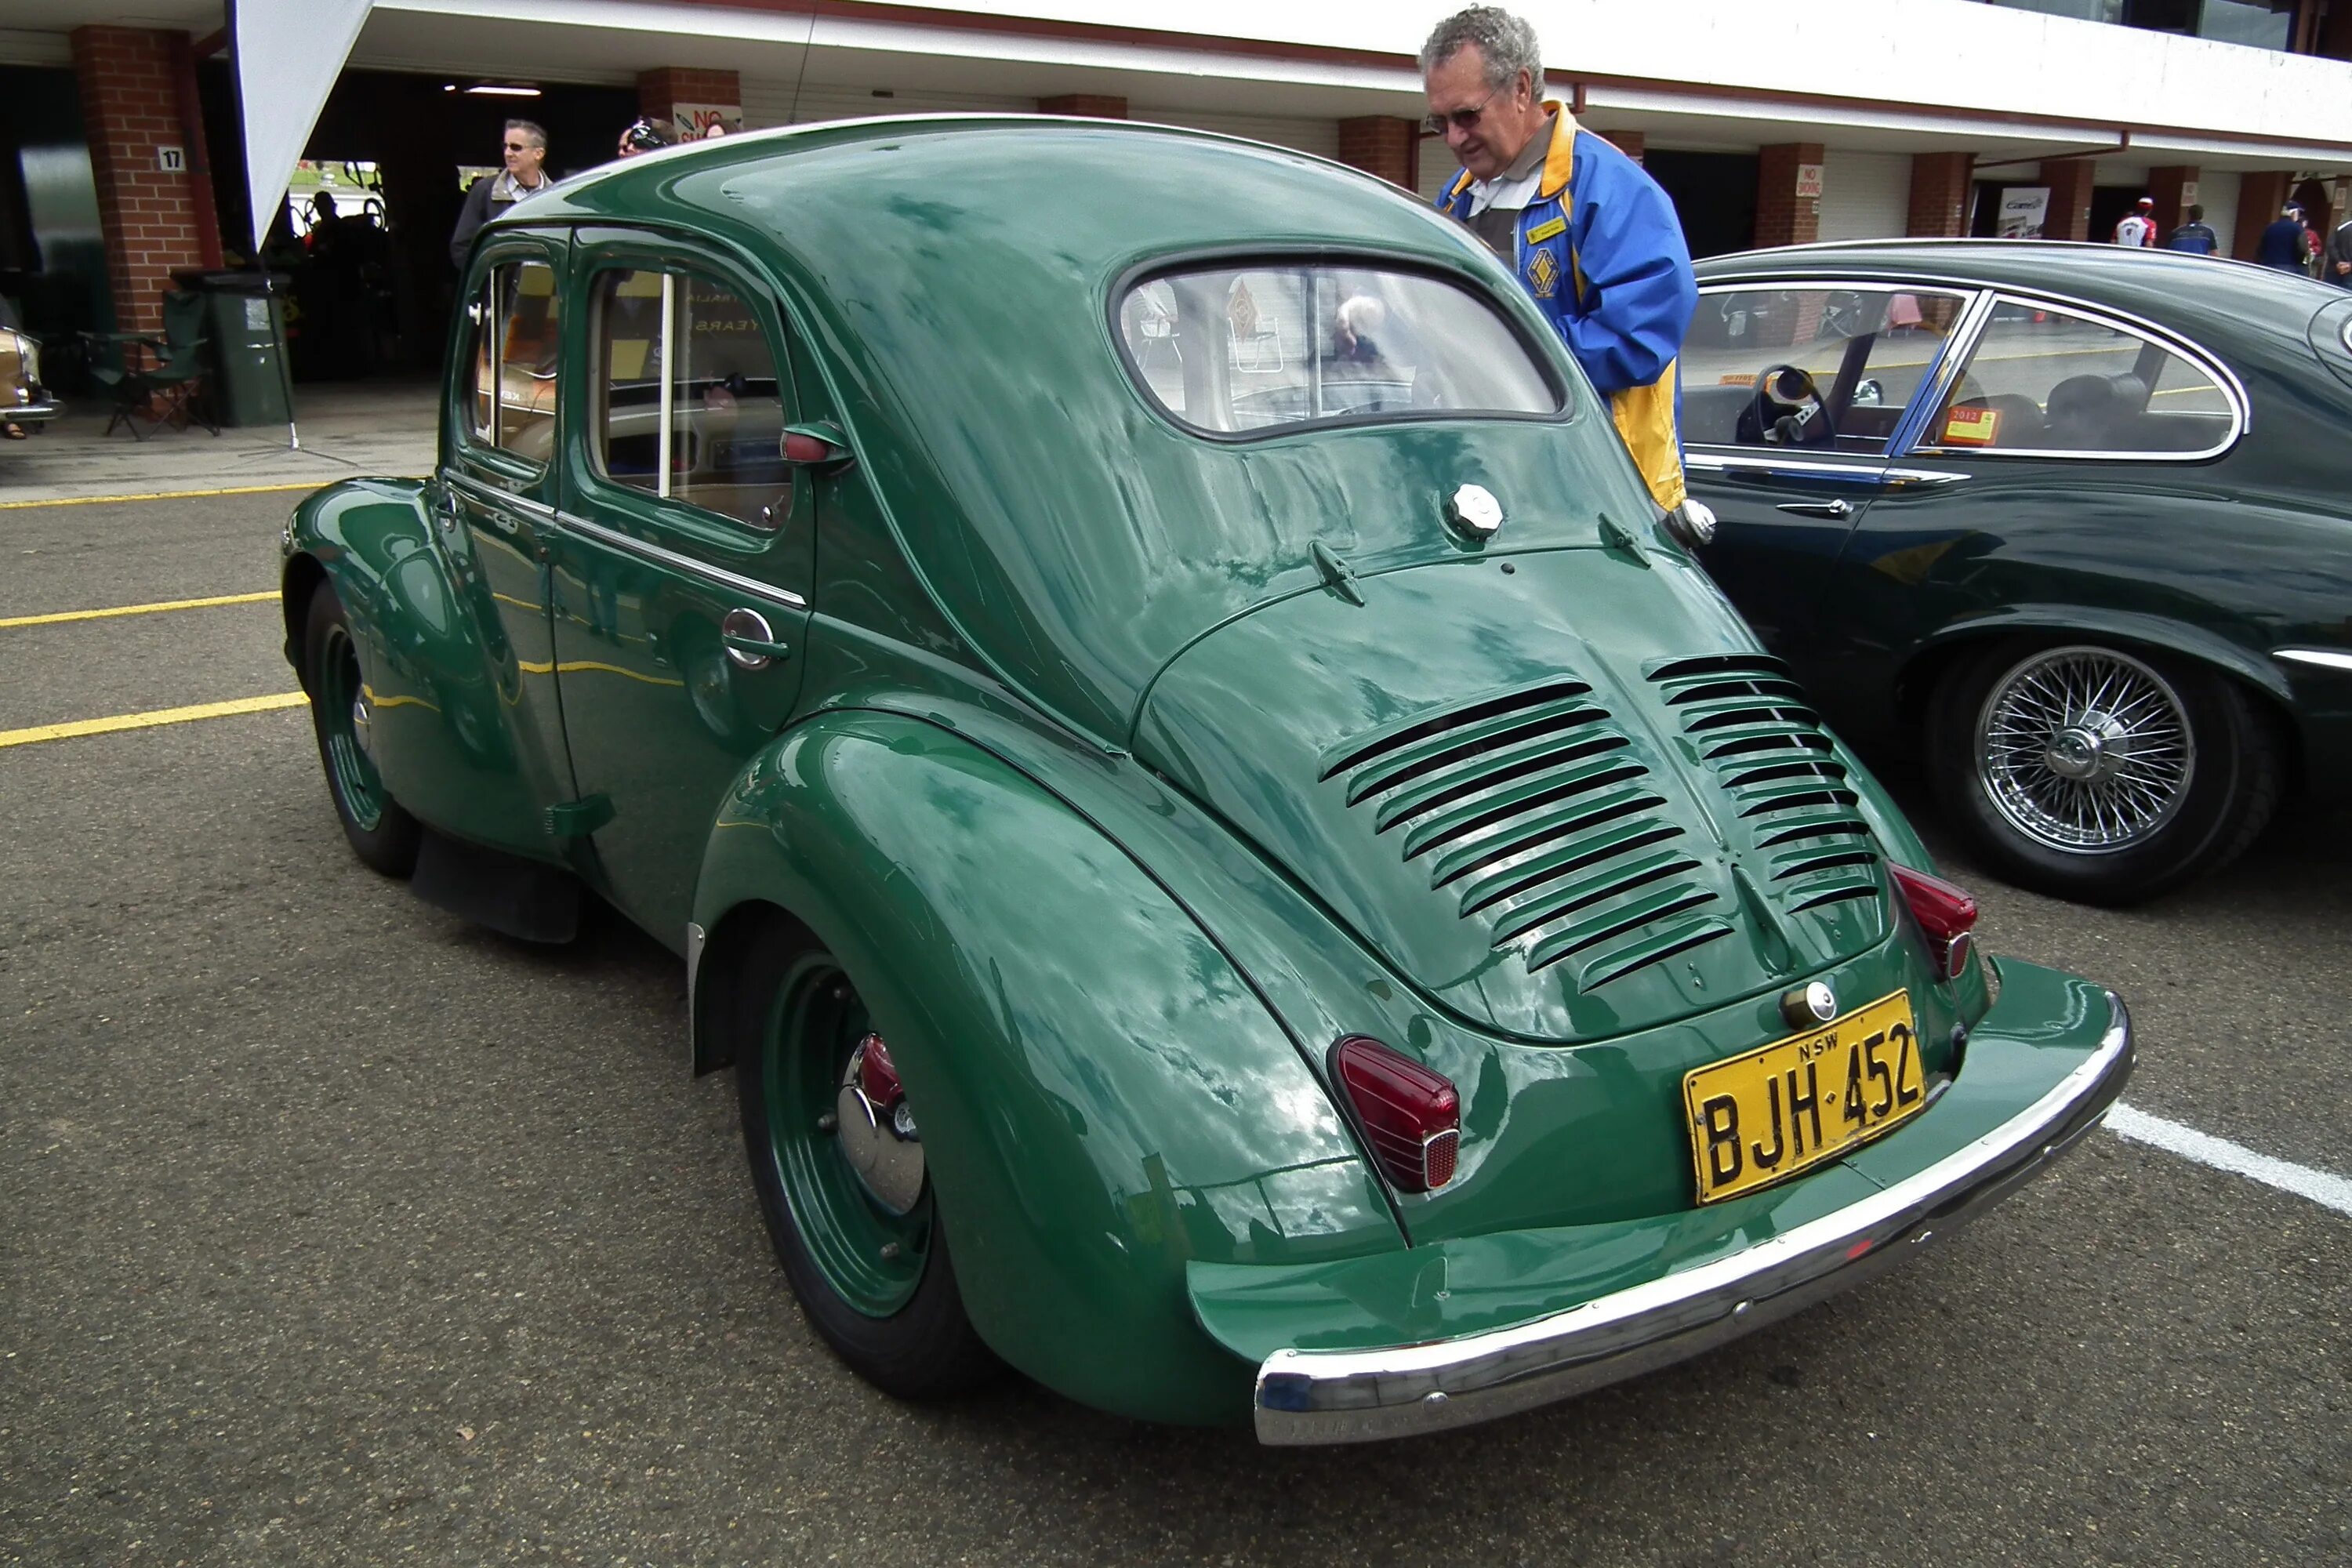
(120, 161)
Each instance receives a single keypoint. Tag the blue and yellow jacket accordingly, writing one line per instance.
(1602, 252)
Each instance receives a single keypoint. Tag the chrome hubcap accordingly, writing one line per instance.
(2084, 749)
(360, 734)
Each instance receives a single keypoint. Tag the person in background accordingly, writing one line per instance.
(1590, 235)
(2282, 244)
(525, 175)
(2138, 226)
(2335, 263)
(2195, 236)
(646, 136)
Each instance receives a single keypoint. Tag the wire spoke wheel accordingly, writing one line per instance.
(2084, 750)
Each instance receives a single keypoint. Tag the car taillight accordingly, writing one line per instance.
(1410, 1115)
(1944, 913)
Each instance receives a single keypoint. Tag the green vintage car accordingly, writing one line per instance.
(1237, 865)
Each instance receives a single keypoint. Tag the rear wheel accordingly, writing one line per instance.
(838, 1162)
(2097, 774)
(380, 833)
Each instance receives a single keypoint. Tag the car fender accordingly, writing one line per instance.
(432, 663)
(1934, 653)
(1102, 1095)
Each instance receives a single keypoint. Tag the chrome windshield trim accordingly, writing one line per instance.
(631, 544)
(1346, 1396)
(2325, 657)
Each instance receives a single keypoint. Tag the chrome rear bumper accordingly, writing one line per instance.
(1349, 1396)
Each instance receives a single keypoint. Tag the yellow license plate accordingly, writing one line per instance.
(1786, 1107)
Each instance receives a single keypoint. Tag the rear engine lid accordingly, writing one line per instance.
(1562, 795)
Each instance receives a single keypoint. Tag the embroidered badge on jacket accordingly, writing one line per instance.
(1543, 274)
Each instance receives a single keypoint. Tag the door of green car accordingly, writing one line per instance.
(1790, 395)
(494, 500)
(682, 558)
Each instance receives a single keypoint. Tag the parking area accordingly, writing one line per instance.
(334, 1230)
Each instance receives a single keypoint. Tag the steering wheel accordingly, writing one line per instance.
(1788, 409)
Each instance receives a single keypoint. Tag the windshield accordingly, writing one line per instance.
(1237, 350)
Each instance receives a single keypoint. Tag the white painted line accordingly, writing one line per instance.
(2322, 1187)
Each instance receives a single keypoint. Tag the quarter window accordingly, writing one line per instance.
(687, 402)
(1834, 369)
(1237, 350)
(2044, 380)
(511, 398)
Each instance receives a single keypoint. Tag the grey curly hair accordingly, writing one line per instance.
(1505, 42)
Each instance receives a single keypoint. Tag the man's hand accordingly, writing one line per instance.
(2342, 268)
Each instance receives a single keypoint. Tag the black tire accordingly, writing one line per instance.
(382, 835)
(923, 1349)
(2170, 811)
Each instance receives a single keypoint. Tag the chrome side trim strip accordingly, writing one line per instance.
(2325, 657)
(482, 490)
(1716, 462)
(632, 546)
(1347, 1396)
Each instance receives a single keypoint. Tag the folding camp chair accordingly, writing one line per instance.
(173, 388)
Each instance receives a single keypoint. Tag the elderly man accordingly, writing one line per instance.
(1588, 235)
(525, 175)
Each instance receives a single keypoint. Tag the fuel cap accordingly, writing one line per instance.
(1808, 1005)
(1473, 513)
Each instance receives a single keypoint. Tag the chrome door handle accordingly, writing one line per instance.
(751, 643)
(1840, 509)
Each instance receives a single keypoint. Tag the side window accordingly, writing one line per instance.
(1829, 368)
(2046, 380)
(511, 396)
(687, 402)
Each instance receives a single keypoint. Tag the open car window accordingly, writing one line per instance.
(2040, 379)
(1241, 350)
(1830, 367)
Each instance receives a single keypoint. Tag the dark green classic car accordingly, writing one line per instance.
(1236, 866)
(2073, 520)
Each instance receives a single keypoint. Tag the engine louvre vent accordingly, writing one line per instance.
(1535, 817)
(1752, 727)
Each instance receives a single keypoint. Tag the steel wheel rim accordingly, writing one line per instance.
(342, 697)
(2084, 750)
(872, 1259)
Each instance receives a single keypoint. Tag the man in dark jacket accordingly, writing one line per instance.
(2282, 245)
(2336, 268)
(524, 175)
(2195, 236)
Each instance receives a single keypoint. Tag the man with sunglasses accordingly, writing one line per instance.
(525, 175)
(1589, 237)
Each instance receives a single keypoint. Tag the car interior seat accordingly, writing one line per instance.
(2096, 413)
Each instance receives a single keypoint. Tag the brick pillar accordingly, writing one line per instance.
(1633, 143)
(696, 100)
(2260, 196)
(2174, 186)
(1940, 183)
(1092, 105)
(2069, 180)
(148, 214)
(1382, 144)
(1783, 216)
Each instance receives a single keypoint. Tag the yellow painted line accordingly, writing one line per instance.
(108, 726)
(376, 701)
(518, 604)
(570, 664)
(169, 495)
(50, 620)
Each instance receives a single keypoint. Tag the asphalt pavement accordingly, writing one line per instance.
(333, 1230)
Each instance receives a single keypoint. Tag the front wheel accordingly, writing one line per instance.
(2096, 774)
(837, 1162)
(381, 834)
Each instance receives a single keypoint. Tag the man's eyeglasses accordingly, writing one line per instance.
(1460, 119)
(517, 146)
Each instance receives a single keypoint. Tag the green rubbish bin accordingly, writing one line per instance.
(244, 323)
